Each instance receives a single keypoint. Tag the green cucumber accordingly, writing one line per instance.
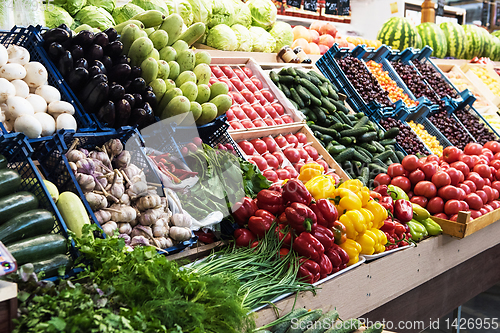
(324, 130)
(283, 326)
(324, 322)
(38, 248)
(3, 162)
(332, 93)
(311, 87)
(360, 157)
(388, 142)
(312, 116)
(337, 149)
(365, 175)
(347, 140)
(9, 181)
(400, 156)
(323, 89)
(338, 127)
(352, 117)
(27, 224)
(347, 326)
(51, 266)
(15, 204)
(286, 91)
(380, 148)
(379, 162)
(318, 76)
(321, 115)
(359, 115)
(367, 137)
(392, 133)
(377, 168)
(274, 77)
(304, 95)
(317, 102)
(361, 122)
(345, 155)
(348, 167)
(340, 106)
(369, 147)
(381, 134)
(365, 152)
(295, 96)
(354, 132)
(315, 80)
(291, 71)
(389, 147)
(344, 118)
(384, 156)
(301, 325)
(302, 74)
(287, 80)
(375, 328)
(330, 106)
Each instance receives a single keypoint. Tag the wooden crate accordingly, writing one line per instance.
(8, 305)
(292, 128)
(464, 226)
(480, 84)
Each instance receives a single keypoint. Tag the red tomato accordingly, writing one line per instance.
(495, 204)
(455, 176)
(323, 163)
(247, 147)
(416, 176)
(281, 141)
(250, 86)
(489, 192)
(474, 201)
(425, 188)
(497, 175)
(443, 165)
(471, 185)
(258, 95)
(269, 121)
(270, 143)
(247, 123)
(465, 188)
(292, 139)
(279, 156)
(410, 195)
(267, 95)
(217, 71)
(419, 200)
(239, 113)
(449, 192)
(294, 173)
(402, 182)
(494, 146)
(260, 161)
(303, 154)
(465, 206)
(454, 217)
(422, 161)
(240, 74)
(228, 71)
(441, 216)
(247, 94)
(473, 149)
(230, 115)
(271, 111)
(395, 170)
(236, 125)
(433, 158)
(475, 160)
(496, 193)
(260, 110)
(272, 161)
(271, 175)
(253, 115)
(493, 172)
(451, 154)
(489, 208)
(257, 82)
(483, 211)
(496, 185)
(483, 170)
(227, 82)
(278, 121)
(292, 154)
(435, 205)
(482, 194)
(452, 207)
(461, 193)
(301, 137)
(383, 179)
(287, 119)
(237, 83)
(212, 81)
(467, 160)
(283, 174)
(410, 163)
(487, 181)
(487, 153)
(461, 166)
(279, 108)
(429, 169)
(247, 71)
(311, 151)
(477, 179)
(475, 213)
(441, 179)
(259, 145)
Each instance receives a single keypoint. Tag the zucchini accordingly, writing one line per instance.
(347, 326)
(317, 102)
(303, 94)
(354, 132)
(286, 91)
(73, 212)
(336, 149)
(28, 224)
(323, 89)
(295, 96)
(365, 175)
(38, 248)
(380, 148)
(318, 76)
(369, 147)
(51, 266)
(367, 137)
(291, 71)
(9, 181)
(388, 142)
(332, 93)
(375, 328)
(15, 204)
(344, 118)
(3, 162)
(377, 168)
(311, 87)
(301, 325)
(325, 321)
(392, 133)
(321, 116)
(274, 77)
(400, 156)
(327, 104)
(361, 122)
(324, 130)
(340, 106)
(347, 140)
(345, 155)
(283, 326)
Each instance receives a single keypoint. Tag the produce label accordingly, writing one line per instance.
(294, 3)
(310, 5)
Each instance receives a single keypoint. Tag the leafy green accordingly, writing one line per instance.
(153, 4)
(221, 37)
(96, 17)
(253, 180)
(73, 6)
(55, 16)
(222, 13)
(126, 12)
(109, 5)
(244, 38)
(263, 12)
(262, 40)
(283, 34)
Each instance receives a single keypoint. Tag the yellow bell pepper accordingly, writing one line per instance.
(354, 223)
(379, 213)
(345, 199)
(367, 242)
(364, 195)
(309, 171)
(380, 239)
(356, 186)
(321, 187)
(353, 249)
(368, 217)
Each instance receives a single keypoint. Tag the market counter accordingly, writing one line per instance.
(8, 305)
(421, 283)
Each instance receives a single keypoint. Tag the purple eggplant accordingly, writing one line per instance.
(136, 72)
(78, 78)
(138, 100)
(84, 38)
(116, 92)
(107, 113)
(84, 95)
(55, 51)
(119, 73)
(123, 111)
(112, 34)
(76, 51)
(100, 65)
(138, 85)
(82, 62)
(107, 62)
(96, 98)
(65, 27)
(149, 97)
(95, 70)
(123, 59)
(94, 52)
(114, 49)
(102, 39)
(130, 99)
(57, 35)
(65, 64)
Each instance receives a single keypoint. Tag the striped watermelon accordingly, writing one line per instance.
(488, 43)
(399, 33)
(495, 53)
(418, 43)
(433, 36)
(456, 39)
(496, 33)
(475, 41)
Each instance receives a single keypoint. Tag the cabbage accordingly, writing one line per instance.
(170, 4)
(96, 17)
(29, 12)
(222, 13)
(244, 38)
(109, 5)
(152, 4)
(221, 37)
(55, 16)
(263, 13)
(126, 12)
(73, 6)
(202, 10)
(243, 16)
(184, 9)
(262, 40)
(283, 34)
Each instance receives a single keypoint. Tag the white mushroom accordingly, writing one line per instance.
(28, 125)
(48, 123)
(22, 89)
(12, 71)
(4, 55)
(38, 102)
(18, 54)
(7, 90)
(36, 74)
(17, 106)
(58, 107)
(66, 121)
(49, 93)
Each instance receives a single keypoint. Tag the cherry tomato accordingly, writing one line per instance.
(435, 205)
(402, 182)
(419, 200)
(441, 179)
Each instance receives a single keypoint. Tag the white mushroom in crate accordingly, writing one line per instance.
(18, 55)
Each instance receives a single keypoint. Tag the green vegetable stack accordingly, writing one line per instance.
(354, 141)
(25, 229)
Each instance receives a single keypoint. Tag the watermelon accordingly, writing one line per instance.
(433, 36)
(456, 39)
(399, 33)
(495, 52)
(475, 41)
(418, 43)
(496, 33)
(488, 43)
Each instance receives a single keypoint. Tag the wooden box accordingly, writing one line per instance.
(8, 306)
(464, 226)
(480, 84)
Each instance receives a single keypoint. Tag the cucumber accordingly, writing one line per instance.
(327, 104)
(295, 96)
(346, 127)
(354, 132)
(28, 224)
(344, 118)
(51, 266)
(318, 76)
(286, 91)
(388, 142)
(380, 148)
(324, 130)
(321, 116)
(360, 157)
(345, 155)
(381, 134)
(352, 117)
(302, 74)
(338, 126)
(304, 95)
(384, 156)
(400, 156)
(340, 106)
(389, 161)
(325, 321)
(379, 162)
(317, 102)
(311, 87)
(323, 89)
(346, 140)
(316, 81)
(301, 325)
(350, 325)
(332, 93)
(336, 149)
(15, 204)
(283, 326)
(287, 80)
(9, 181)
(375, 328)
(389, 147)
(291, 71)
(359, 115)
(295, 105)
(365, 152)
(3, 162)
(38, 248)
(348, 167)
(361, 122)
(367, 137)
(392, 133)
(365, 175)
(274, 77)
(369, 147)
(312, 116)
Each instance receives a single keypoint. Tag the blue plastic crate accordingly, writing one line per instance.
(29, 38)
(16, 149)
(476, 114)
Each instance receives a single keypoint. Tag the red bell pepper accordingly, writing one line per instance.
(301, 218)
(403, 210)
(325, 266)
(276, 187)
(243, 209)
(325, 236)
(283, 252)
(271, 201)
(389, 226)
(295, 191)
(309, 271)
(382, 189)
(339, 232)
(282, 219)
(205, 237)
(325, 211)
(399, 229)
(261, 222)
(338, 257)
(284, 234)
(308, 246)
(254, 244)
(387, 203)
(375, 196)
(244, 237)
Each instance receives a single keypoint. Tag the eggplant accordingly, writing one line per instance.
(138, 100)
(65, 27)
(119, 73)
(101, 38)
(138, 85)
(141, 117)
(78, 78)
(130, 99)
(91, 85)
(136, 72)
(65, 64)
(55, 51)
(95, 70)
(126, 84)
(150, 98)
(114, 49)
(57, 35)
(149, 88)
(123, 110)
(150, 114)
(106, 113)
(82, 62)
(100, 65)
(84, 38)
(116, 92)
(94, 52)
(76, 51)
(107, 62)
(123, 59)
(96, 98)
(112, 34)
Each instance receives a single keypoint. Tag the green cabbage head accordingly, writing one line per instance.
(283, 34)
(109, 5)
(152, 4)
(221, 37)
(242, 14)
(55, 16)
(184, 9)
(263, 13)
(222, 13)
(96, 17)
(73, 6)
(244, 38)
(126, 12)
(262, 40)
(202, 10)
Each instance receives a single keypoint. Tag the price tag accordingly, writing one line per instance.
(440, 9)
(344, 7)
(331, 7)
(310, 5)
(294, 3)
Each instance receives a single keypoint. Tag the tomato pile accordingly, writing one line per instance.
(467, 180)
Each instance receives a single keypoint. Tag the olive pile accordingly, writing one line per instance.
(363, 81)
(435, 80)
(475, 127)
(452, 130)
(406, 138)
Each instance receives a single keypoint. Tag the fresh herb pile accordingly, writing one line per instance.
(138, 291)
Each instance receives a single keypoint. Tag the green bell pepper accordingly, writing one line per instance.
(432, 227)
(397, 193)
(417, 230)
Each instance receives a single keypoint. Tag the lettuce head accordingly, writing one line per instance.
(222, 13)
(184, 9)
(96, 17)
(109, 5)
(73, 6)
(126, 12)
(55, 16)
(202, 10)
(263, 13)
(221, 37)
(243, 16)
(152, 4)
(283, 34)
(244, 38)
(262, 40)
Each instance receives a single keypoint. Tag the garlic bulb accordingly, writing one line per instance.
(180, 233)
(181, 220)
